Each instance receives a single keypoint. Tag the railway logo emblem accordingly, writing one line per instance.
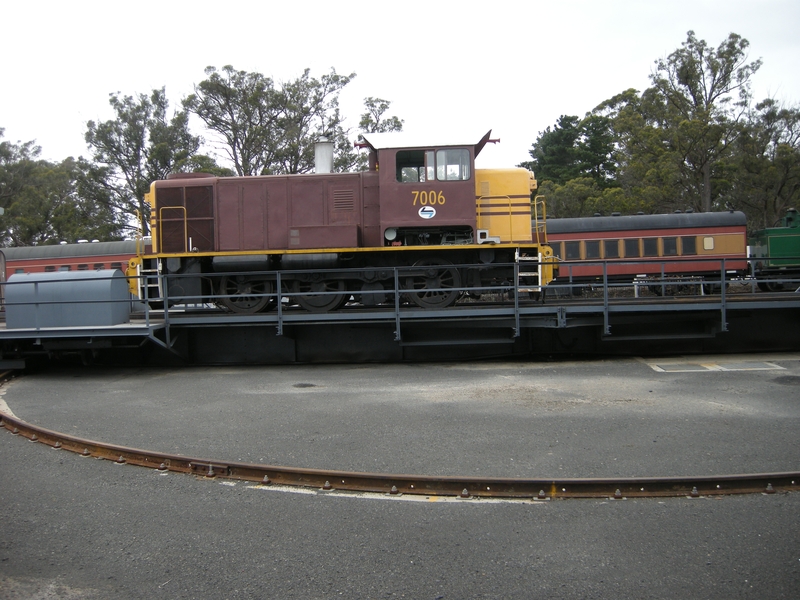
(427, 212)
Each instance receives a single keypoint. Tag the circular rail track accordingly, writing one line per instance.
(462, 487)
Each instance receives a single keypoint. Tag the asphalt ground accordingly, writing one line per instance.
(73, 527)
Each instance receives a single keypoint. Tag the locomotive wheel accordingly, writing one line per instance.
(321, 303)
(244, 294)
(432, 283)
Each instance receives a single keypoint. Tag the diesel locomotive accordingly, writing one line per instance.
(421, 219)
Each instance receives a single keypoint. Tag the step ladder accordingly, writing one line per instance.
(530, 267)
(150, 284)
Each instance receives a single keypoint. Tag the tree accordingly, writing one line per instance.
(762, 172)
(702, 93)
(373, 121)
(243, 110)
(269, 129)
(42, 201)
(136, 148)
(575, 148)
(16, 165)
(309, 108)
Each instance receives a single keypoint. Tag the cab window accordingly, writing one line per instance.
(419, 166)
(411, 166)
(452, 165)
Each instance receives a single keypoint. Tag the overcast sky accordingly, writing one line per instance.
(451, 69)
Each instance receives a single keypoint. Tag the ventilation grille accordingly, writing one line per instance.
(343, 201)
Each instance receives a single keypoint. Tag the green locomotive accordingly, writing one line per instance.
(775, 254)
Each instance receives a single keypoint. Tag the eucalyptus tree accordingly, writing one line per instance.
(142, 144)
(697, 100)
(267, 128)
(373, 119)
(762, 171)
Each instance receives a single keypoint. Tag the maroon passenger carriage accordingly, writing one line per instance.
(422, 218)
(689, 246)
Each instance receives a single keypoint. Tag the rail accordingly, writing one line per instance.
(538, 489)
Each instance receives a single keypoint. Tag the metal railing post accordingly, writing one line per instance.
(397, 336)
(516, 297)
(723, 298)
(279, 285)
(606, 324)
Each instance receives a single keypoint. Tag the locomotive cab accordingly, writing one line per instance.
(426, 191)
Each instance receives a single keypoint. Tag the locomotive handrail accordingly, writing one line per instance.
(539, 222)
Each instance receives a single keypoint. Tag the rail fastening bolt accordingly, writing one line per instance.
(770, 489)
(694, 493)
(266, 480)
(85, 452)
(120, 460)
(162, 467)
(394, 490)
(34, 438)
(617, 495)
(465, 493)
(327, 486)
(542, 495)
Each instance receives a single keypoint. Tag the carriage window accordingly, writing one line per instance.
(611, 248)
(19, 270)
(688, 245)
(670, 246)
(64, 268)
(632, 248)
(573, 250)
(708, 243)
(83, 267)
(650, 246)
(593, 249)
(49, 269)
(99, 266)
(558, 249)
